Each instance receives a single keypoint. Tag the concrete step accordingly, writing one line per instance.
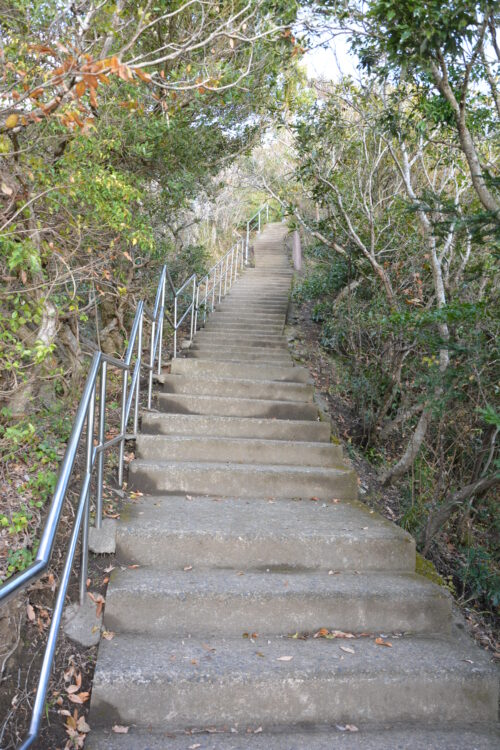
(174, 684)
(272, 350)
(240, 337)
(229, 343)
(243, 480)
(239, 356)
(225, 406)
(237, 450)
(213, 324)
(214, 426)
(209, 603)
(264, 317)
(461, 737)
(247, 305)
(236, 387)
(232, 355)
(294, 374)
(283, 535)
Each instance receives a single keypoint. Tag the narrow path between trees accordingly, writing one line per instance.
(263, 605)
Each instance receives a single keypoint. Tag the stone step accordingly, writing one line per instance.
(214, 426)
(233, 355)
(294, 374)
(236, 387)
(243, 480)
(237, 450)
(225, 406)
(240, 303)
(239, 356)
(259, 315)
(461, 737)
(207, 603)
(282, 535)
(229, 343)
(174, 684)
(247, 339)
(242, 349)
(234, 327)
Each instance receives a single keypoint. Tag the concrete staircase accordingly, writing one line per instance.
(250, 533)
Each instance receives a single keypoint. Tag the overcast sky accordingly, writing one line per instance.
(331, 61)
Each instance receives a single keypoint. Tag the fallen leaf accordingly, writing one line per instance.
(108, 635)
(348, 649)
(193, 747)
(188, 567)
(315, 499)
(321, 633)
(133, 567)
(109, 568)
(346, 728)
(79, 697)
(381, 642)
(259, 653)
(284, 658)
(258, 730)
(82, 725)
(6, 190)
(99, 600)
(30, 612)
(119, 729)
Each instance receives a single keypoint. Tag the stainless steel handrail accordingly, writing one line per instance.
(216, 283)
(257, 216)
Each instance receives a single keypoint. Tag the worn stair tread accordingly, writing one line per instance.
(217, 386)
(264, 480)
(227, 426)
(258, 533)
(242, 357)
(230, 602)
(187, 403)
(178, 683)
(239, 450)
(316, 738)
(292, 374)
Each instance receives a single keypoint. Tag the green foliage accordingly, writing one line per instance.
(480, 576)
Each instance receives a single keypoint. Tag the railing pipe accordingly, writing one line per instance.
(138, 384)
(89, 455)
(175, 326)
(123, 426)
(100, 437)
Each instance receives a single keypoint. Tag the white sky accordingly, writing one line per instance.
(332, 61)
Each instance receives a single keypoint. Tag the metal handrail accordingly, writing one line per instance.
(215, 284)
(257, 216)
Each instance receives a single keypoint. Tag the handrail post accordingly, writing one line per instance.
(162, 306)
(220, 281)
(137, 385)
(259, 222)
(151, 363)
(101, 435)
(193, 309)
(175, 326)
(225, 275)
(213, 288)
(247, 242)
(123, 427)
(205, 302)
(86, 512)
